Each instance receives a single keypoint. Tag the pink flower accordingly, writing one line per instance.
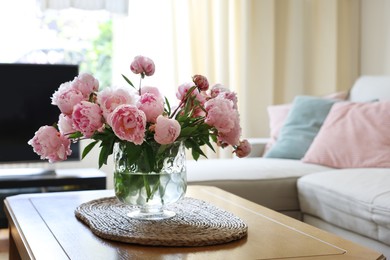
(86, 84)
(218, 89)
(201, 82)
(129, 123)
(243, 149)
(153, 90)
(151, 102)
(87, 118)
(166, 130)
(183, 89)
(66, 98)
(110, 98)
(65, 124)
(232, 137)
(142, 64)
(220, 114)
(50, 144)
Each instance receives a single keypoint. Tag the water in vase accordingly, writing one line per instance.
(150, 189)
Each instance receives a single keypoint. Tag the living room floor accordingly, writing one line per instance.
(4, 242)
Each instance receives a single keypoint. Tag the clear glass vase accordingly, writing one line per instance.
(150, 188)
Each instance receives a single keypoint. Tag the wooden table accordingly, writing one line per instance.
(43, 226)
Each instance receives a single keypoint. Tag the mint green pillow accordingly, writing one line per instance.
(302, 124)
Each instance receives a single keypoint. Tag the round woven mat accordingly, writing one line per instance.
(197, 223)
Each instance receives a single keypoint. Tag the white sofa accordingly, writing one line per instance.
(351, 202)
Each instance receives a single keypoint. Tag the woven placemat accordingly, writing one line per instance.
(197, 223)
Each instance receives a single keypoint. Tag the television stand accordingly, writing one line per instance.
(24, 172)
(30, 180)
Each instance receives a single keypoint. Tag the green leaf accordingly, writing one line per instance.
(214, 138)
(76, 135)
(168, 106)
(128, 81)
(195, 155)
(133, 152)
(88, 148)
(207, 142)
(196, 151)
(106, 150)
(162, 149)
(188, 105)
(187, 131)
(189, 92)
(148, 157)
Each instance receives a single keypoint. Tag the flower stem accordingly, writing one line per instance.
(182, 102)
(139, 87)
(178, 107)
(147, 187)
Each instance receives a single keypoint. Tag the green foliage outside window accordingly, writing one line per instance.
(83, 38)
(98, 58)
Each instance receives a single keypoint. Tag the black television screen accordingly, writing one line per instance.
(26, 91)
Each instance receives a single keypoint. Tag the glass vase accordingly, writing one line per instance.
(150, 188)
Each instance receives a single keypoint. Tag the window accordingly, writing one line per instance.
(68, 36)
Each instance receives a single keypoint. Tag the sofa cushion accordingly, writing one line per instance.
(302, 124)
(269, 182)
(369, 88)
(363, 131)
(354, 199)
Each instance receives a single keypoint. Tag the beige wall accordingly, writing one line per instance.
(375, 37)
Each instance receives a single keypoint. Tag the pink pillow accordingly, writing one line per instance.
(343, 95)
(354, 135)
(277, 115)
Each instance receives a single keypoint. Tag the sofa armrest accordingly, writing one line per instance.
(258, 146)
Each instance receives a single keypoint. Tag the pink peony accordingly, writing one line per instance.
(50, 144)
(151, 102)
(153, 90)
(220, 114)
(110, 98)
(86, 84)
(183, 89)
(166, 130)
(243, 149)
(142, 64)
(201, 82)
(66, 98)
(219, 89)
(129, 123)
(231, 96)
(232, 137)
(65, 124)
(216, 90)
(87, 118)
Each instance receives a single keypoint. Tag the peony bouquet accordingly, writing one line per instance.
(140, 119)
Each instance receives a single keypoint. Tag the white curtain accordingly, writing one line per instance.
(114, 6)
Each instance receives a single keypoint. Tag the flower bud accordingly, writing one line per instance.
(243, 149)
(201, 82)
